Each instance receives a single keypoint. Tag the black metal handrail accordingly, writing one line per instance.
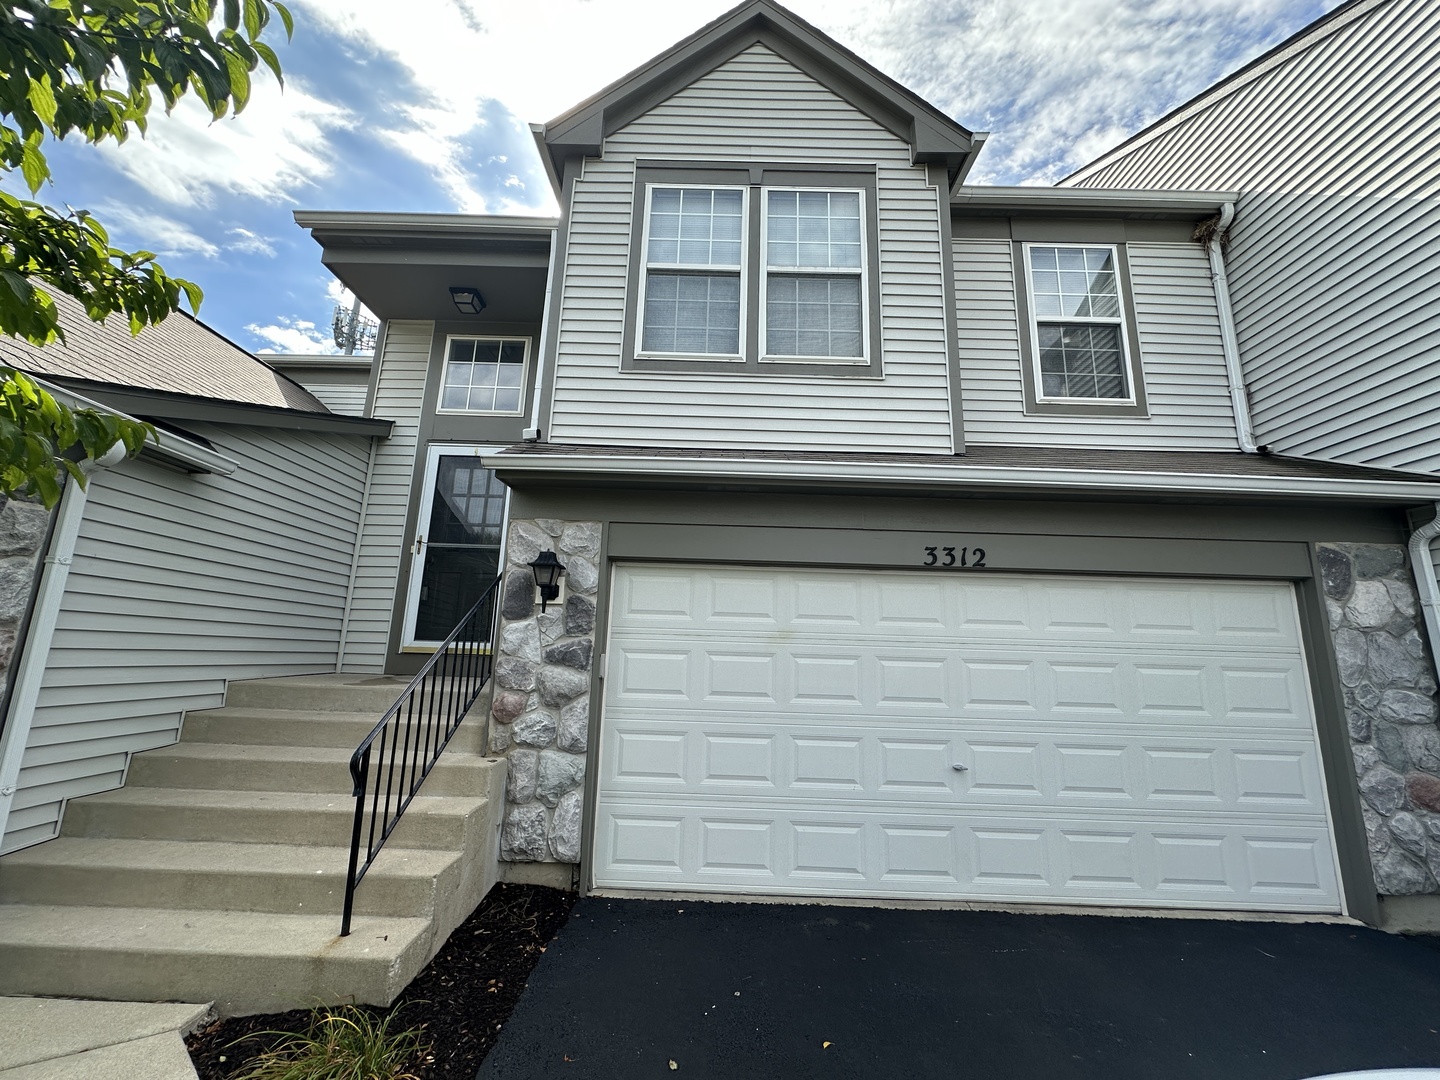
(404, 746)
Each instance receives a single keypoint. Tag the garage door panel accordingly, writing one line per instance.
(1093, 770)
(1108, 611)
(965, 682)
(995, 855)
(1119, 740)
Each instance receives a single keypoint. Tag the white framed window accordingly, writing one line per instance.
(692, 282)
(814, 295)
(484, 375)
(1081, 352)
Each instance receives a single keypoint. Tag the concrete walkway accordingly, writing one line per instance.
(752, 990)
(60, 1039)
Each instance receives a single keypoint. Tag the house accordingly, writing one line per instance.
(1333, 281)
(915, 543)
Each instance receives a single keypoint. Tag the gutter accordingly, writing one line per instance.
(1229, 343)
(30, 672)
(1423, 566)
(911, 475)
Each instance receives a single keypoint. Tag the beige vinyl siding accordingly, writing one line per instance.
(755, 107)
(339, 398)
(180, 583)
(1182, 362)
(1333, 267)
(399, 396)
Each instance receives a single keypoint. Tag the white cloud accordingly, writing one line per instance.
(152, 232)
(249, 243)
(293, 336)
(278, 144)
(1060, 81)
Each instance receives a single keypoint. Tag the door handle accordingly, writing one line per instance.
(418, 546)
(960, 768)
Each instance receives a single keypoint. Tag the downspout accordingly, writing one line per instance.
(30, 672)
(1425, 585)
(532, 433)
(1229, 343)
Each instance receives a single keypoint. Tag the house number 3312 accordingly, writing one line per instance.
(967, 557)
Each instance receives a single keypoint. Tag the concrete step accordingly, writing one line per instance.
(293, 727)
(246, 962)
(323, 769)
(261, 817)
(371, 694)
(193, 875)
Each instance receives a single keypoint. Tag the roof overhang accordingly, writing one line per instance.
(138, 401)
(402, 266)
(167, 447)
(934, 138)
(1107, 202)
(955, 478)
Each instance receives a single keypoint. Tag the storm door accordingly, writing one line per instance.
(457, 546)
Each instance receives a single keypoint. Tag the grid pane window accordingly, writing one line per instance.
(692, 285)
(692, 313)
(813, 229)
(812, 315)
(814, 294)
(484, 375)
(1076, 298)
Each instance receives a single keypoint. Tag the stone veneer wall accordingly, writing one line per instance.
(540, 711)
(23, 526)
(1389, 680)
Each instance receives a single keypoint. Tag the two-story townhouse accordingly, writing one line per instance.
(1329, 141)
(911, 545)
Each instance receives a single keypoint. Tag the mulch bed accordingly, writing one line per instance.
(461, 999)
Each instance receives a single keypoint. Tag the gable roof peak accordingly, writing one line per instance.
(933, 136)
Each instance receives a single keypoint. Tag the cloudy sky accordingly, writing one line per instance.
(424, 107)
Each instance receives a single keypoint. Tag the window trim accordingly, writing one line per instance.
(645, 267)
(756, 176)
(1036, 404)
(863, 360)
(445, 369)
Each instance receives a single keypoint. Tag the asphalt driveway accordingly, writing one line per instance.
(744, 991)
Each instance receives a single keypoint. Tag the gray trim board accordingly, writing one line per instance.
(1352, 846)
(546, 386)
(142, 403)
(373, 385)
(937, 177)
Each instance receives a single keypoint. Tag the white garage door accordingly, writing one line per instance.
(960, 736)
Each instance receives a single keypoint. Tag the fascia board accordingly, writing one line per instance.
(931, 476)
(1091, 200)
(362, 224)
(174, 448)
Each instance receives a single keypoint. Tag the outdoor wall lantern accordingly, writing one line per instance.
(547, 570)
(468, 301)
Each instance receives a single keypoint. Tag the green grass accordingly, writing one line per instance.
(340, 1044)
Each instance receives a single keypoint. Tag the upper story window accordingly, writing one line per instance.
(693, 272)
(769, 268)
(1081, 354)
(484, 375)
(814, 275)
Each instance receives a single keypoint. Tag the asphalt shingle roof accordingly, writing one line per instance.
(179, 356)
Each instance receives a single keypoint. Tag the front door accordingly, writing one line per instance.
(457, 547)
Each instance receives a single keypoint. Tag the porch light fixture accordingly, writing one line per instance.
(547, 570)
(468, 301)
